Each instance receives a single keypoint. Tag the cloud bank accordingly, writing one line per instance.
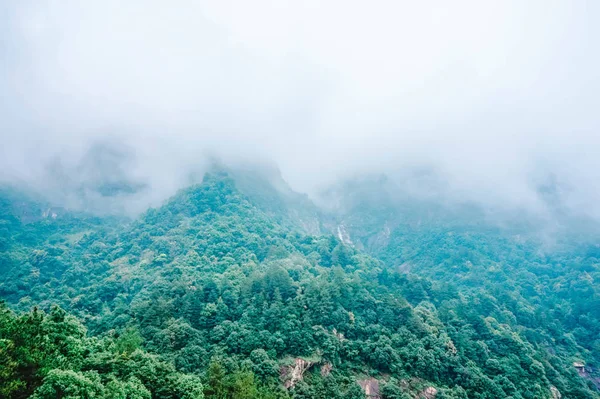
(498, 98)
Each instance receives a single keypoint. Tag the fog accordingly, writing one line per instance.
(496, 99)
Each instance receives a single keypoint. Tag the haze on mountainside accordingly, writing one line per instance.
(494, 99)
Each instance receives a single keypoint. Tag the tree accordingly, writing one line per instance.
(189, 387)
(69, 384)
(128, 341)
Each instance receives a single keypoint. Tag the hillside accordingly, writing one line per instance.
(240, 288)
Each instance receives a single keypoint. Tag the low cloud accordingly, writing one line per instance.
(498, 99)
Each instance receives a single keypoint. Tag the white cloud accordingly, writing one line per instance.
(493, 94)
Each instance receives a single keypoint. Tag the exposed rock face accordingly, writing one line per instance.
(291, 374)
(451, 348)
(50, 213)
(555, 392)
(338, 335)
(428, 393)
(371, 388)
(581, 370)
(343, 235)
(588, 373)
(326, 369)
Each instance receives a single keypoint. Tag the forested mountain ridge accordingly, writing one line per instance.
(227, 288)
(545, 276)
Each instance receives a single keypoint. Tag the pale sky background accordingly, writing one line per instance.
(496, 96)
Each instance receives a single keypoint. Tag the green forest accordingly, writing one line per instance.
(233, 288)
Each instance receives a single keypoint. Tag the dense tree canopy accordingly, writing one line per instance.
(216, 293)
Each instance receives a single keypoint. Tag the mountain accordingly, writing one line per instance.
(238, 287)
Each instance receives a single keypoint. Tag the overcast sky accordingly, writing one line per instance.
(494, 95)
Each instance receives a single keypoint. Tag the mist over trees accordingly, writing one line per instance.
(497, 100)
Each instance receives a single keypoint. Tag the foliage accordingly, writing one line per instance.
(209, 294)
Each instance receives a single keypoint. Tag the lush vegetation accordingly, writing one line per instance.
(217, 294)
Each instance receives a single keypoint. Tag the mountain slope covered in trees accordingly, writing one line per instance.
(240, 288)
